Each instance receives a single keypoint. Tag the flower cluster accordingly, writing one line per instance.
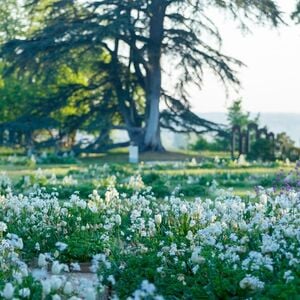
(145, 247)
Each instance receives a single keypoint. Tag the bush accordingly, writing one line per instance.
(218, 144)
(262, 149)
(56, 159)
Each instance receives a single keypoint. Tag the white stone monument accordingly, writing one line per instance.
(133, 154)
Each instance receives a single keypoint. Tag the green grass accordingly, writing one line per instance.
(18, 171)
(166, 176)
(122, 157)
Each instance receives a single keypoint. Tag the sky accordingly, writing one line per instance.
(270, 82)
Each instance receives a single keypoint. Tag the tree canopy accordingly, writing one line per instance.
(236, 116)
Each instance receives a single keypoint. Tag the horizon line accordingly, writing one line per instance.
(256, 112)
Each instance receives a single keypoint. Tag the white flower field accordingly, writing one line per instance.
(137, 245)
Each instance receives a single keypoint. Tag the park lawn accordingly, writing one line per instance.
(158, 171)
(160, 165)
(16, 172)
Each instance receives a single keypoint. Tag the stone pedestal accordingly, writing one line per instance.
(133, 154)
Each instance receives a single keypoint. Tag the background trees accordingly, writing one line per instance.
(127, 45)
(236, 116)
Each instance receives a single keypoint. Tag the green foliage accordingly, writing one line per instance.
(12, 20)
(57, 159)
(286, 147)
(216, 145)
(63, 102)
(237, 117)
(283, 139)
(70, 39)
(262, 149)
(219, 246)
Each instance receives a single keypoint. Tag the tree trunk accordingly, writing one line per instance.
(136, 138)
(152, 139)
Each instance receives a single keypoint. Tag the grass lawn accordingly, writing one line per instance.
(162, 171)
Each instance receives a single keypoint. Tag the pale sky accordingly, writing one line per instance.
(271, 80)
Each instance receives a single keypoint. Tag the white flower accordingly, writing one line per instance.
(118, 219)
(136, 182)
(24, 293)
(111, 279)
(3, 227)
(196, 258)
(68, 288)
(46, 284)
(90, 294)
(24, 270)
(183, 209)
(37, 247)
(61, 246)
(288, 276)
(111, 194)
(92, 206)
(252, 283)
(158, 219)
(147, 291)
(42, 262)
(75, 267)
(193, 162)
(190, 235)
(148, 287)
(56, 267)
(18, 276)
(56, 283)
(8, 291)
(195, 269)
(263, 199)
(68, 180)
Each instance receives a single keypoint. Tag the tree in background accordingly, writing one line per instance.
(236, 116)
(63, 102)
(262, 149)
(58, 103)
(216, 144)
(138, 36)
(296, 13)
(285, 145)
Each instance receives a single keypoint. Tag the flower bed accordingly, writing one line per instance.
(144, 247)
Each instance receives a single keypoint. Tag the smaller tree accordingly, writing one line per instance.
(236, 116)
(216, 144)
(284, 145)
